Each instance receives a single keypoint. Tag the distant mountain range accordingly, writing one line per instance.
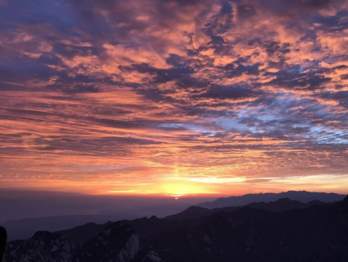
(282, 230)
(302, 196)
(25, 228)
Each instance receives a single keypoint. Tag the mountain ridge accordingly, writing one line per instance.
(302, 196)
(281, 205)
(245, 234)
(23, 229)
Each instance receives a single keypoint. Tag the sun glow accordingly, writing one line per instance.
(180, 189)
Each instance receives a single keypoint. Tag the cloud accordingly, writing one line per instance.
(218, 89)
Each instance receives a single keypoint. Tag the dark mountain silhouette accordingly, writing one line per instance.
(307, 232)
(148, 227)
(284, 204)
(3, 240)
(191, 213)
(318, 233)
(281, 205)
(84, 233)
(118, 242)
(25, 228)
(302, 196)
(43, 246)
(145, 228)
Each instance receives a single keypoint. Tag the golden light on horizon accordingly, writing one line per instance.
(180, 189)
(187, 186)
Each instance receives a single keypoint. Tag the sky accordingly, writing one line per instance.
(28, 204)
(174, 98)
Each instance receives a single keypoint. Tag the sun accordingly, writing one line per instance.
(180, 189)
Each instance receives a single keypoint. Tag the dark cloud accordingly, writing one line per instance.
(82, 89)
(50, 59)
(295, 79)
(70, 51)
(233, 70)
(229, 92)
(245, 12)
(22, 71)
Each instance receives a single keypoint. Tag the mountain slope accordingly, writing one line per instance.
(81, 234)
(281, 205)
(117, 242)
(318, 233)
(25, 228)
(193, 212)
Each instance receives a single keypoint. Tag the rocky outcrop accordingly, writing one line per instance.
(152, 256)
(117, 243)
(42, 247)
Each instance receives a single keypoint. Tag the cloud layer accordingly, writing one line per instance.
(174, 97)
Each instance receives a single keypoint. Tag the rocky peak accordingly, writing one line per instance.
(116, 243)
